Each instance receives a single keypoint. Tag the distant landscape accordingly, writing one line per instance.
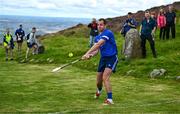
(44, 25)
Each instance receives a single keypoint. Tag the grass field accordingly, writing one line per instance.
(32, 87)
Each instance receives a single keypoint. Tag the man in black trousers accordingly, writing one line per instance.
(170, 22)
(147, 30)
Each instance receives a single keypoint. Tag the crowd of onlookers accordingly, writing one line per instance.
(164, 20)
(9, 44)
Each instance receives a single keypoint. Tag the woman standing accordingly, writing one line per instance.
(161, 21)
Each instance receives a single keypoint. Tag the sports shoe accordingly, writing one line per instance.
(108, 102)
(97, 94)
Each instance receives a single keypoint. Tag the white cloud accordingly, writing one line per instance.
(46, 6)
(77, 8)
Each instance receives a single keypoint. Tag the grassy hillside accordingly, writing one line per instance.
(60, 44)
(31, 87)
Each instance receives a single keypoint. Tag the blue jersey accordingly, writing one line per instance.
(109, 48)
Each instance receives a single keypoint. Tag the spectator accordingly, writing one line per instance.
(161, 22)
(170, 22)
(8, 44)
(93, 31)
(147, 29)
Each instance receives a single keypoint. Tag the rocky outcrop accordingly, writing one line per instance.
(132, 45)
(117, 22)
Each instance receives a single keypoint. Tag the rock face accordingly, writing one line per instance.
(132, 45)
(157, 73)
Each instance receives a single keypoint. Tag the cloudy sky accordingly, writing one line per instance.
(76, 8)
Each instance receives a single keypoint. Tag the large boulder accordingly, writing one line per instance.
(132, 45)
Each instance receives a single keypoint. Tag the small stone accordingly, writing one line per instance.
(130, 72)
(163, 71)
(31, 60)
(47, 59)
(178, 78)
(51, 60)
(155, 73)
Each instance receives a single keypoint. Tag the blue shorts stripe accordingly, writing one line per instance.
(115, 63)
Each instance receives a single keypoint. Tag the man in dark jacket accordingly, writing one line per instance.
(19, 38)
(147, 29)
(170, 22)
(93, 31)
(129, 23)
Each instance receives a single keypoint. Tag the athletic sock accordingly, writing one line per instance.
(109, 95)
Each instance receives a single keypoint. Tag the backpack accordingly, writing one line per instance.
(27, 37)
(41, 49)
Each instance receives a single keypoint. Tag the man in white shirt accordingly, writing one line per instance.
(32, 42)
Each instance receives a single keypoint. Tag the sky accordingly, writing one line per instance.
(77, 8)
